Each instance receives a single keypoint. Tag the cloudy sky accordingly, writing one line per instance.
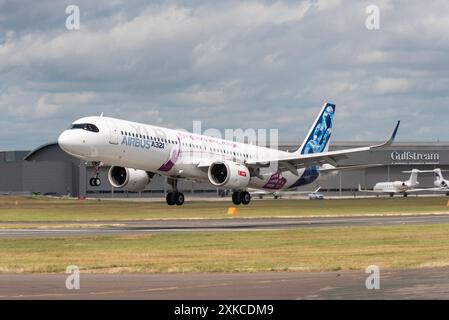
(230, 64)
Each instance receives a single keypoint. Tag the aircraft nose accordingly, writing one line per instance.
(64, 140)
(72, 143)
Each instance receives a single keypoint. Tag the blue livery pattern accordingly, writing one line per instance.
(309, 176)
(320, 135)
(316, 142)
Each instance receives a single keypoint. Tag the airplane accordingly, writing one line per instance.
(440, 183)
(392, 188)
(136, 152)
(279, 194)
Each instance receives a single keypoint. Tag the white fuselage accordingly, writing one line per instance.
(394, 187)
(172, 153)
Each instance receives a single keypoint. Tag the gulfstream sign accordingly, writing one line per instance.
(414, 156)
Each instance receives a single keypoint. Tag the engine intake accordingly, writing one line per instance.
(129, 179)
(228, 174)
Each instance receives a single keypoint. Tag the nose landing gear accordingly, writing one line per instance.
(96, 181)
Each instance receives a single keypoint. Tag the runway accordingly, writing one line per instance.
(430, 283)
(394, 284)
(54, 229)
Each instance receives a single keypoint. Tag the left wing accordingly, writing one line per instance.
(296, 161)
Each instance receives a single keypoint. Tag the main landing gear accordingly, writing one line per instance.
(96, 181)
(241, 197)
(174, 197)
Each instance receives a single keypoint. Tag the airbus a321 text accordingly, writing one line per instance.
(136, 152)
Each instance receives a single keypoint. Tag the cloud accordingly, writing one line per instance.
(393, 85)
(245, 64)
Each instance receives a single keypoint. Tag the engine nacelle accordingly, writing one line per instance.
(134, 180)
(228, 174)
(399, 184)
(404, 184)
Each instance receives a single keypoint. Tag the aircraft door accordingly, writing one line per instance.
(113, 136)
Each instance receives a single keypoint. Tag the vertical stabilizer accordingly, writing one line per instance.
(317, 140)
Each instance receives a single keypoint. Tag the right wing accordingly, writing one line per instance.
(295, 161)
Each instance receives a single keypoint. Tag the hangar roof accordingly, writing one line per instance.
(49, 152)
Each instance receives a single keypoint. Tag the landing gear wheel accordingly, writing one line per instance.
(405, 195)
(246, 197)
(236, 198)
(95, 181)
(179, 198)
(170, 198)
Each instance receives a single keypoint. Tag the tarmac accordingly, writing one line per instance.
(428, 283)
(53, 229)
(394, 284)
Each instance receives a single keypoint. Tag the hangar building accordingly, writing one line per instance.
(48, 170)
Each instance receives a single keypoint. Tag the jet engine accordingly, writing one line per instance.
(129, 179)
(442, 183)
(404, 184)
(399, 184)
(228, 174)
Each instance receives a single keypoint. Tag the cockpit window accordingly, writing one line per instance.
(85, 126)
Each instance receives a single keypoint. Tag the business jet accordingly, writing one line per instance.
(440, 183)
(281, 193)
(398, 187)
(136, 152)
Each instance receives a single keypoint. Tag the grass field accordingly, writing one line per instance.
(287, 250)
(19, 209)
(337, 248)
